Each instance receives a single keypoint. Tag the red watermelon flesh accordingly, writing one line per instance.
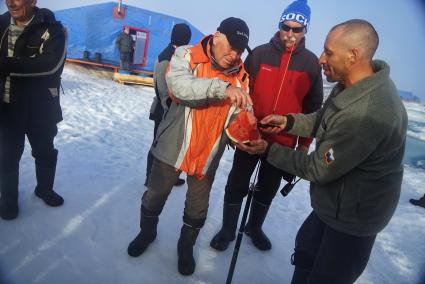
(243, 128)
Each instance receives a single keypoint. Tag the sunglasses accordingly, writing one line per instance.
(295, 30)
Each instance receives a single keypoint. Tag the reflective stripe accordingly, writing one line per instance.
(2, 37)
(187, 136)
(212, 154)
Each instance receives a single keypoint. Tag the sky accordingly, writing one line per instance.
(400, 25)
(103, 142)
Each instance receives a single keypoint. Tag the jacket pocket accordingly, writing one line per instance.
(339, 199)
(32, 51)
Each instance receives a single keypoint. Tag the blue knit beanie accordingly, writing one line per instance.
(297, 11)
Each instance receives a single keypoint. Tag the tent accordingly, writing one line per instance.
(408, 96)
(92, 31)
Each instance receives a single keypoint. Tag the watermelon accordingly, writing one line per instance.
(243, 128)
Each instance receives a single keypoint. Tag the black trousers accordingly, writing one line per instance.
(12, 142)
(243, 167)
(325, 255)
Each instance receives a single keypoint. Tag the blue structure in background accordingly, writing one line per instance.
(93, 28)
(408, 96)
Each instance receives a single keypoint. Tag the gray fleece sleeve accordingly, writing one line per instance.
(340, 150)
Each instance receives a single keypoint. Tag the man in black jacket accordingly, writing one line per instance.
(125, 45)
(32, 55)
(180, 35)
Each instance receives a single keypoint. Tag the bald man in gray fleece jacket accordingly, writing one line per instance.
(356, 169)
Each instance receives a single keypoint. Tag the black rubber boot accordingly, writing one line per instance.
(186, 262)
(254, 229)
(227, 232)
(418, 202)
(148, 225)
(188, 234)
(9, 195)
(44, 188)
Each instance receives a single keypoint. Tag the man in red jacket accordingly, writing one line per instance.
(285, 77)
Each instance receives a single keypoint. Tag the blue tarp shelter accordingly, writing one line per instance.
(93, 29)
(408, 96)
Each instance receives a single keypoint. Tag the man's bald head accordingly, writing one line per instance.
(359, 34)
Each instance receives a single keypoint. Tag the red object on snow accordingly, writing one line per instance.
(243, 128)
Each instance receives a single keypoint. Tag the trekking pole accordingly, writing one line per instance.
(242, 226)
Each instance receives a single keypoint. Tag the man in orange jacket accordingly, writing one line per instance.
(209, 85)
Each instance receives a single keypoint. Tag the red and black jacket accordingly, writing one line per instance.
(302, 89)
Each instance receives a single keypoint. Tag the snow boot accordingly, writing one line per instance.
(418, 202)
(9, 195)
(148, 225)
(227, 232)
(188, 234)
(253, 228)
(44, 188)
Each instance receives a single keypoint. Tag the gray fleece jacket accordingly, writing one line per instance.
(356, 169)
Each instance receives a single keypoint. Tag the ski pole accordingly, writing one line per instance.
(252, 188)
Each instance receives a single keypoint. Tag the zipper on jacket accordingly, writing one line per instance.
(339, 199)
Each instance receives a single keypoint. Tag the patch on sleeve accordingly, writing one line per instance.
(329, 156)
(54, 92)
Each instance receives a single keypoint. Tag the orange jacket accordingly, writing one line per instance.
(200, 111)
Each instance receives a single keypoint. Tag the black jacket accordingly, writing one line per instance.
(163, 58)
(124, 42)
(34, 70)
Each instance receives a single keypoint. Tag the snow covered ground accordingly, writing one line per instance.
(103, 142)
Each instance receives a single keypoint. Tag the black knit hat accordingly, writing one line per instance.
(181, 34)
(236, 31)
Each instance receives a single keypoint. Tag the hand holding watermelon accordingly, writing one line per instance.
(238, 97)
(255, 147)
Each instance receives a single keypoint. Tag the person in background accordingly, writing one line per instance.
(180, 35)
(32, 56)
(356, 170)
(125, 45)
(284, 77)
(209, 85)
